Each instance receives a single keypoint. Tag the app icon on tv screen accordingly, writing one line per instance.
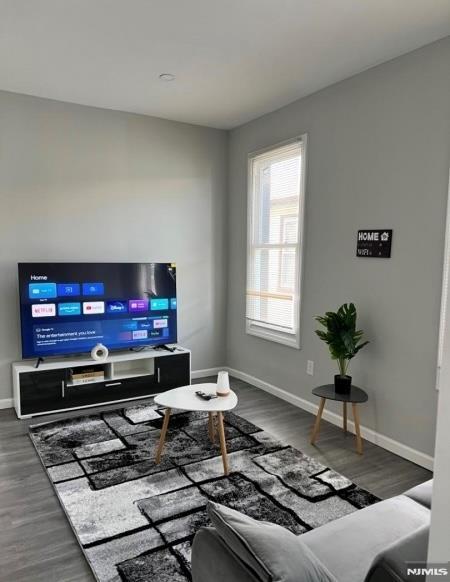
(93, 288)
(138, 305)
(68, 289)
(69, 309)
(41, 290)
(116, 306)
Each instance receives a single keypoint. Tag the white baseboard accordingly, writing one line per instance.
(6, 403)
(207, 372)
(369, 434)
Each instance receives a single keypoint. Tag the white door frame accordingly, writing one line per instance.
(439, 543)
(445, 308)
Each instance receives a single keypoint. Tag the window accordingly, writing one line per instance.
(275, 218)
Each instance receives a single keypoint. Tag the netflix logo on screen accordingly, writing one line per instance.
(43, 310)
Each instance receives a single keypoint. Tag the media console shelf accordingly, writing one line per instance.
(127, 376)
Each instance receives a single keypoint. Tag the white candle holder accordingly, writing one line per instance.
(223, 384)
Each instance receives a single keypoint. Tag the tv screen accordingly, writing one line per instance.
(68, 308)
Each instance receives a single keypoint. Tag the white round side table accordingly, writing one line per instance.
(185, 398)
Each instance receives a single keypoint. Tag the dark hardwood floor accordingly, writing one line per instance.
(36, 540)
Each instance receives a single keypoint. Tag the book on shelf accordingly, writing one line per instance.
(86, 375)
(87, 380)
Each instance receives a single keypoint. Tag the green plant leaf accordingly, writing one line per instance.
(341, 335)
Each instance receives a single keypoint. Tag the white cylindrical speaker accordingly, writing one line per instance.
(99, 353)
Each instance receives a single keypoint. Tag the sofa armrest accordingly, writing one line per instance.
(421, 493)
(391, 564)
(213, 560)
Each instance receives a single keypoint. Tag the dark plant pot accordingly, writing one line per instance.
(342, 384)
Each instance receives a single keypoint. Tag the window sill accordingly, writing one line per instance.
(273, 335)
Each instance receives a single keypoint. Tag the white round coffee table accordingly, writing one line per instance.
(185, 398)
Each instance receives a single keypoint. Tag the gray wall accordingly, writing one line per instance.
(379, 152)
(85, 184)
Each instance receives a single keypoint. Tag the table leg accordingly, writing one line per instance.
(315, 431)
(359, 446)
(223, 445)
(211, 427)
(345, 416)
(162, 438)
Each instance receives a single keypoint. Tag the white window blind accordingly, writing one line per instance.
(276, 184)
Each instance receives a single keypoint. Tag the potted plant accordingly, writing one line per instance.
(343, 340)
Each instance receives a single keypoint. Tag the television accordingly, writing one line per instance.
(68, 308)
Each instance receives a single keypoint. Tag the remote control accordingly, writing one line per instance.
(205, 396)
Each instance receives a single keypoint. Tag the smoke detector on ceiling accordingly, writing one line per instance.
(166, 77)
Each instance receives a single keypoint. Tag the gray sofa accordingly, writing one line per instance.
(369, 545)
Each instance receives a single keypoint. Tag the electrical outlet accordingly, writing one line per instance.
(310, 368)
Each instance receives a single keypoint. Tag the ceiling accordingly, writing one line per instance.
(234, 60)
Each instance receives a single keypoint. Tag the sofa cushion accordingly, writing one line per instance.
(213, 561)
(271, 551)
(348, 546)
(421, 493)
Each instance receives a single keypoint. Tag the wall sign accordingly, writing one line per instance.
(374, 243)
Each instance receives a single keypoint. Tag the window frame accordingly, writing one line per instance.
(260, 329)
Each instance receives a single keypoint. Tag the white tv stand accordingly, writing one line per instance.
(128, 376)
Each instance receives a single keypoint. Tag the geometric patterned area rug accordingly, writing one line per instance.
(136, 520)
